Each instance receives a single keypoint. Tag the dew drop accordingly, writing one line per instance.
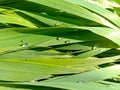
(80, 81)
(59, 38)
(67, 41)
(115, 79)
(101, 50)
(94, 47)
(61, 11)
(97, 67)
(44, 13)
(22, 40)
(26, 59)
(57, 24)
(32, 81)
(24, 44)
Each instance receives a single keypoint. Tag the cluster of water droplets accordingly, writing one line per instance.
(97, 47)
(61, 38)
(23, 43)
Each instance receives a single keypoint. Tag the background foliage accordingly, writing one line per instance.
(59, 44)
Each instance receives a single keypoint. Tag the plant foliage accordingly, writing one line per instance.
(59, 44)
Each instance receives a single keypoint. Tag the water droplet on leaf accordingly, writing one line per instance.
(59, 38)
(22, 40)
(115, 79)
(44, 13)
(32, 81)
(67, 41)
(26, 59)
(24, 44)
(80, 81)
(94, 47)
(101, 50)
(61, 11)
(57, 24)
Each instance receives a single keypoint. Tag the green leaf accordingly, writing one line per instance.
(114, 18)
(111, 34)
(68, 7)
(91, 76)
(23, 38)
(92, 52)
(35, 54)
(40, 68)
(25, 87)
(10, 17)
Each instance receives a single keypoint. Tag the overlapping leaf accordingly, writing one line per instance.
(42, 39)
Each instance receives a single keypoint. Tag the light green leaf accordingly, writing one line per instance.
(111, 34)
(114, 18)
(23, 38)
(91, 76)
(10, 17)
